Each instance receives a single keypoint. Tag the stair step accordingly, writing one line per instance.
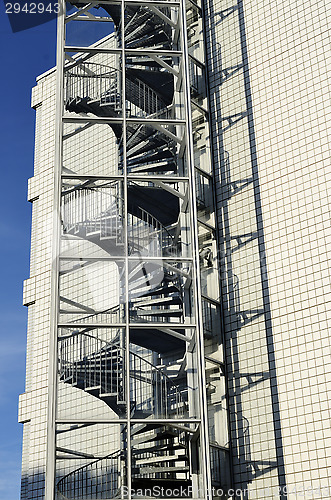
(104, 238)
(142, 413)
(156, 340)
(138, 428)
(163, 300)
(148, 483)
(103, 358)
(159, 312)
(154, 436)
(160, 447)
(147, 273)
(163, 290)
(152, 470)
(67, 380)
(158, 459)
(151, 292)
(166, 167)
(93, 388)
(79, 384)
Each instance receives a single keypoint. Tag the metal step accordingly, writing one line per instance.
(156, 340)
(159, 459)
(160, 447)
(166, 289)
(159, 312)
(152, 470)
(161, 433)
(162, 301)
(138, 428)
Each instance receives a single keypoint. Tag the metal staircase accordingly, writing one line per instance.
(93, 88)
(160, 458)
(96, 215)
(143, 27)
(154, 292)
(97, 367)
(161, 453)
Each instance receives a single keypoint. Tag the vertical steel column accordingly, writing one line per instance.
(54, 305)
(204, 16)
(204, 441)
(126, 263)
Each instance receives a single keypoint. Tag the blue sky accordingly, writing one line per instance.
(24, 55)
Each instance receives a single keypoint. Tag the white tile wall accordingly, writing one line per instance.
(33, 404)
(273, 187)
(288, 51)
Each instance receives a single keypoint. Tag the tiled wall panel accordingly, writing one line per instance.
(268, 90)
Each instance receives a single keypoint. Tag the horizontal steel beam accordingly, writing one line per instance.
(138, 121)
(162, 3)
(171, 421)
(133, 52)
(133, 177)
(143, 326)
(130, 258)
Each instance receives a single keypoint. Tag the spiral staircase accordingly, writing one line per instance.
(160, 452)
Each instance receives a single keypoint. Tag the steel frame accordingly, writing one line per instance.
(187, 144)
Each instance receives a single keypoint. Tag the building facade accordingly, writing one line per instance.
(177, 335)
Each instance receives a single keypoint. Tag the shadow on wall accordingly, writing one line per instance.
(255, 430)
(33, 485)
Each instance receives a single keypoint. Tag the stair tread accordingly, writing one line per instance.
(163, 300)
(160, 447)
(159, 312)
(108, 394)
(156, 459)
(148, 470)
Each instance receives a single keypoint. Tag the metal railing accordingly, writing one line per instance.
(143, 101)
(89, 363)
(145, 231)
(152, 391)
(94, 211)
(99, 479)
(220, 455)
(220, 466)
(196, 76)
(102, 84)
(202, 188)
(94, 82)
(114, 314)
(210, 317)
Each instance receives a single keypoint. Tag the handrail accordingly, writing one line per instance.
(93, 81)
(101, 83)
(87, 352)
(153, 218)
(109, 310)
(80, 209)
(63, 488)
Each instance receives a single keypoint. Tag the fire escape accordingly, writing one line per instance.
(139, 357)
